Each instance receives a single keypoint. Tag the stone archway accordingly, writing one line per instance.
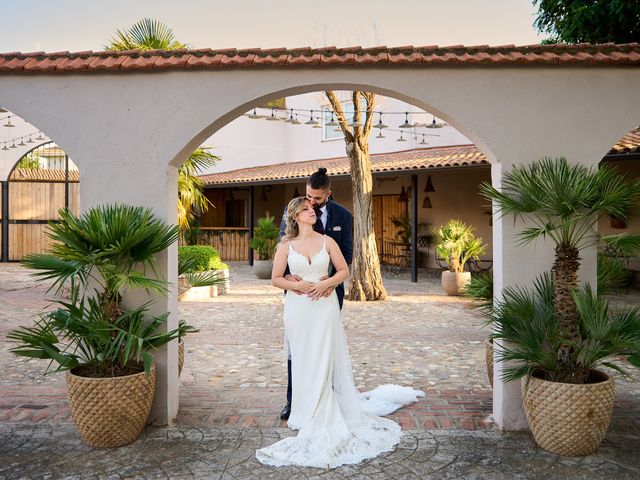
(130, 116)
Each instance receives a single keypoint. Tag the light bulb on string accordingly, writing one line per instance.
(273, 117)
(290, 119)
(333, 122)
(9, 124)
(434, 124)
(5, 146)
(380, 135)
(40, 137)
(14, 145)
(401, 139)
(254, 115)
(311, 120)
(30, 139)
(406, 123)
(423, 142)
(22, 144)
(295, 120)
(380, 125)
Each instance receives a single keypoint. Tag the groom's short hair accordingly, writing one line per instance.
(319, 180)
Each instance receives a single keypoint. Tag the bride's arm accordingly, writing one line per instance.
(279, 267)
(340, 266)
(339, 263)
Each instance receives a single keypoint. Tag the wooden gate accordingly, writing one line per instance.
(385, 207)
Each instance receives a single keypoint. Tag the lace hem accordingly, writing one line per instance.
(321, 449)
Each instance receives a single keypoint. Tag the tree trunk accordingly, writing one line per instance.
(565, 279)
(366, 280)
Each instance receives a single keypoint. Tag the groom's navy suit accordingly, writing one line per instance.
(339, 226)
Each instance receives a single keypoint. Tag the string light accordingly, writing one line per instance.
(406, 123)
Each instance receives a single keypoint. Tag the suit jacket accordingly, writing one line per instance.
(339, 227)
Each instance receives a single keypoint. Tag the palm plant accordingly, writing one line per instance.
(564, 202)
(457, 244)
(265, 238)
(110, 245)
(527, 323)
(81, 334)
(147, 34)
(191, 197)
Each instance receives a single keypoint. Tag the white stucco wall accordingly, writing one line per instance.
(246, 142)
(128, 132)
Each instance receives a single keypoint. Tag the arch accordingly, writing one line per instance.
(241, 109)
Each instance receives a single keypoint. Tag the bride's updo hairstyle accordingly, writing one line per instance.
(295, 206)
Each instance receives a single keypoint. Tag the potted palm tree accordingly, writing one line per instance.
(555, 336)
(264, 242)
(107, 350)
(457, 244)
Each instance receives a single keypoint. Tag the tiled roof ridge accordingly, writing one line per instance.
(445, 148)
(583, 53)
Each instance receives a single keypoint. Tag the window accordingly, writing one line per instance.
(333, 133)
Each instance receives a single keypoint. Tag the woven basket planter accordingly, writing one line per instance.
(568, 419)
(110, 412)
(488, 356)
(180, 356)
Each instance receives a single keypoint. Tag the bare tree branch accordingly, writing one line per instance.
(340, 116)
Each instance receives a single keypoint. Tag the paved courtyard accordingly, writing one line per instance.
(234, 382)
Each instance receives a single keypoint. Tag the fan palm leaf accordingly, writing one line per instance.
(147, 34)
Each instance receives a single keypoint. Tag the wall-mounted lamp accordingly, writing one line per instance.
(403, 195)
(429, 186)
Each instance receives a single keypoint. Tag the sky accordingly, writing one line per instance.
(77, 25)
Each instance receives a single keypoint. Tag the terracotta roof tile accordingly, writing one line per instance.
(630, 143)
(432, 55)
(409, 160)
(42, 175)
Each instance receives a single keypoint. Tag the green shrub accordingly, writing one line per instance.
(199, 258)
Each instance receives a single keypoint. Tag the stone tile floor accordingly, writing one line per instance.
(234, 383)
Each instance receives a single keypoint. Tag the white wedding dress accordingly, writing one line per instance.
(337, 424)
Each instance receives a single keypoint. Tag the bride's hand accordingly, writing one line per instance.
(304, 287)
(294, 278)
(329, 290)
(319, 289)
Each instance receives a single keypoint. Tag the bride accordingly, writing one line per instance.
(337, 425)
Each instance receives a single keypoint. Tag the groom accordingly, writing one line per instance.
(333, 220)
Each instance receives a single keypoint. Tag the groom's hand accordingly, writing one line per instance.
(294, 278)
(329, 290)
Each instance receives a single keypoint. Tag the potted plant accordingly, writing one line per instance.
(556, 335)
(264, 242)
(201, 273)
(183, 329)
(480, 288)
(456, 243)
(105, 348)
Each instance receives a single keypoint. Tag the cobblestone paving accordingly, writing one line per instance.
(45, 451)
(234, 382)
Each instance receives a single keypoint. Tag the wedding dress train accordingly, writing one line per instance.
(337, 424)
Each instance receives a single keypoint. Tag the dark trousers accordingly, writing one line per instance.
(340, 295)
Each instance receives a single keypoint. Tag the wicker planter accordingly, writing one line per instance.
(262, 268)
(454, 282)
(180, 356)
(488, 356)
(110, 412)
(568, 419)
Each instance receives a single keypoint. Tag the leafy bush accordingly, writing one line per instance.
(265, 238)
(199, 258)
(457, 244)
